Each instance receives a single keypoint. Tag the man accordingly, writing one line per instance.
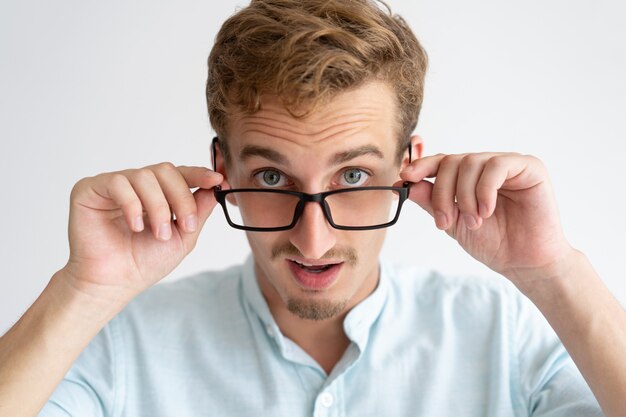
(314, 104)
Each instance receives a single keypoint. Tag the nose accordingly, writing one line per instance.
(313, 235)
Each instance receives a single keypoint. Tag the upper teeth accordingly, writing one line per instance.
(309, 265)
(304, 264)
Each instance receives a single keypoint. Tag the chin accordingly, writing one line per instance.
(316, 310)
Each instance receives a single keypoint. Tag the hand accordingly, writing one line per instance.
(498, 206)
(122, 236)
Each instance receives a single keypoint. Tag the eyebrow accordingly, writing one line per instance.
(250, 151)
(341, 157)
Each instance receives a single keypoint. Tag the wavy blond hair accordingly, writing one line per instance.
(305, 52)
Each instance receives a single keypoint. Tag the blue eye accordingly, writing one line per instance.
(353, 177)
(270, 178)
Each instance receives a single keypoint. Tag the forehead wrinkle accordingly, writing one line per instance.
(356, 124)
(260, 120)
(309, 126)
(329, 132)
(340, 121)
(344, 133)
(254, 127)
(331, 114)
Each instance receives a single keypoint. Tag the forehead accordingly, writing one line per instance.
(366, 115)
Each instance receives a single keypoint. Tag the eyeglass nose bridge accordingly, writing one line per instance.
(319, 198)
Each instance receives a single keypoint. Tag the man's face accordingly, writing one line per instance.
(316, 271)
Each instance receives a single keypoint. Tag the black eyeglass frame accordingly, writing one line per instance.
(220, 196)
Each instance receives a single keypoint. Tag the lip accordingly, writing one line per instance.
(315, 281)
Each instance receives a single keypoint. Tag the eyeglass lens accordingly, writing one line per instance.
(360, 208)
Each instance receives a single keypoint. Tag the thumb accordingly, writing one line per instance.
(421, 194)
(205, 203)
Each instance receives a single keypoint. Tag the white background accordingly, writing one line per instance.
(92, 86)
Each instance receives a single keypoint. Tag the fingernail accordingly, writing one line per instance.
(138, 224)
(191, 222)
(165, 231)
(470, 221)
(441, 220)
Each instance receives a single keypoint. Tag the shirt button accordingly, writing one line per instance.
(270, 332)
(327, 399)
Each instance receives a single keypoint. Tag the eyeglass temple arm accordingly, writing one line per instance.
(213, 151)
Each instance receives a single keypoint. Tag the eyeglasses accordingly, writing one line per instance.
(268, 210)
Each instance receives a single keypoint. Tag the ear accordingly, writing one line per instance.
(218, 161)
(220, 167)
(217, 158)
(417, 147)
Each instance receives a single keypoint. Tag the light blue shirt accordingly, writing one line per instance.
(422, 344)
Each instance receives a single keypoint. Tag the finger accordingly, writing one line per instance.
(470, 169)
(118, 188)
(498, 169)
(444, 191)
(421, 193)
(200, 177)
(178, 195)
(419, 169)
(205, 203)
(147, 187)
(205, 179)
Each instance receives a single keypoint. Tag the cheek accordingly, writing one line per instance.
(366, 245)
(258, 244)
(262, 244)
(369, 246)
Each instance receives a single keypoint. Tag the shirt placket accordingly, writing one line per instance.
(329, 401)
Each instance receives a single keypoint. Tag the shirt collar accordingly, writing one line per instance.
(362, 317)
(357, 323)
(253, 294)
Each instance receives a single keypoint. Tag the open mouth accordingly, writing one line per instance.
(316, 276)
(314, 269)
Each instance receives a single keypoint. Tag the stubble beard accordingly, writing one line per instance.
(316, 310)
